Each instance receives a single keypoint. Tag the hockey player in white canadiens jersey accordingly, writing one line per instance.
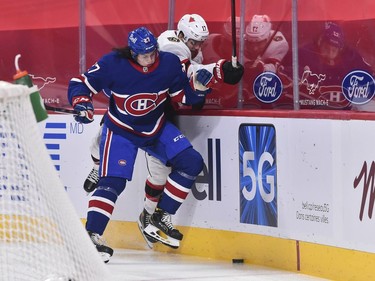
(140, 78)
(185, 42)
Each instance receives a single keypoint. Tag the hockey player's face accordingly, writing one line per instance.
(146, 60)
(193, 45)
(328, 52)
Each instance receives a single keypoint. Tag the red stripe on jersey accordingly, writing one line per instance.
(101, 205)
(107, 148)
(178, 98)
(154, 131)
(149, 69)
(175, 191)
(185, 64)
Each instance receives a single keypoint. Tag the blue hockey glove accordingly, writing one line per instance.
(199, 103)
(84, 108)
(203, 94)
(205, 77)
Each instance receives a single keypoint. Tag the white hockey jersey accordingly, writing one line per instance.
(169, 42)
(275, 52)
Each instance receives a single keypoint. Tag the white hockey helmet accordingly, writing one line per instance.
(258, 29)
(194, 27)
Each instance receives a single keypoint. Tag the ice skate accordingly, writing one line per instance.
(92, 180)
(104, 251)
(161, 220)
(143, 222)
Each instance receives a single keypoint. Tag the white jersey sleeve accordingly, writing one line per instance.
(275, 52)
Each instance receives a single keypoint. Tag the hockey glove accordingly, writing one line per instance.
(84, 108)
(224, 71)
(205, 77)
(198, 105)
(203, 94)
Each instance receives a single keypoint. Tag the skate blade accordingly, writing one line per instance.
(105, 252)
(149, 243)
(105, 257)
(167, 240)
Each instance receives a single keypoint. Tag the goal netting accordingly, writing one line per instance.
(41, 235)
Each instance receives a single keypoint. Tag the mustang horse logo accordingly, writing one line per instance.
(41, 81)
(312, 80)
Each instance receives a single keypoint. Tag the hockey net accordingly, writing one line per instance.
(41, 236)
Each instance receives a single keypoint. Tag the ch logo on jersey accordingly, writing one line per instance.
(267, 87)
(333, 96)
(358, 87)
(139, 104)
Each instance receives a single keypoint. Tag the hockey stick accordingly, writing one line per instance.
(270, 39)
(60, 109)
(277, 29)
(234, 45)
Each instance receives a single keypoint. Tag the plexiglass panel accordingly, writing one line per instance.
(334, 58)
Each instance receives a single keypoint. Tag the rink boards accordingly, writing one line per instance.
(292, 192)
